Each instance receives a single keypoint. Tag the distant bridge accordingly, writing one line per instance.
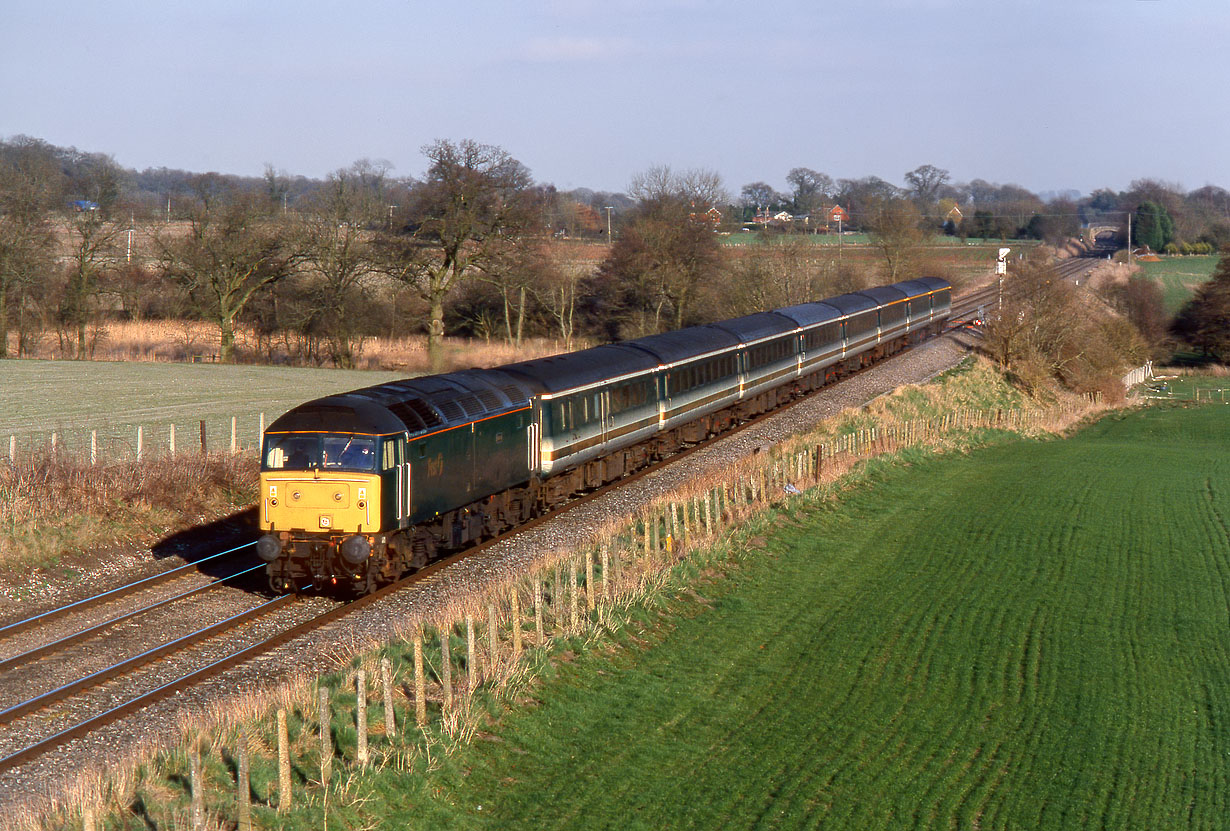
(1105, 234)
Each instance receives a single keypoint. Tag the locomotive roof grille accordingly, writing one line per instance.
(489, 400)
(471, 405)
(406, 413)
(448, 408)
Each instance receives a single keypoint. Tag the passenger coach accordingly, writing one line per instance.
(359, 487)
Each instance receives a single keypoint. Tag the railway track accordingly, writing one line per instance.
(975, 305)
(63, 703)
(64, 710)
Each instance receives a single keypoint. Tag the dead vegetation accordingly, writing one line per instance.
(56, 505)
(176, 341)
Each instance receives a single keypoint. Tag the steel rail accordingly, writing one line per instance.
(112, 594)
(69, 640)
(100, 677)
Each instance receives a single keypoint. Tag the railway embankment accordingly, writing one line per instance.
(472, 641)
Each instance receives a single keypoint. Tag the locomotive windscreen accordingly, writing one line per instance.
(308, 451)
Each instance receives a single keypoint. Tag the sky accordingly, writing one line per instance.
(1046, 94)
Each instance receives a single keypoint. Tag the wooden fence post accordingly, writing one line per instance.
(360, 715)
(242, 786)
(493, 638)
(88, 822)
(538, 634)
(93, 447)
(234, 436)
(171, 442)
(198, 795)
(284, 794)
(572, 596)
(386, 680)
(326, 739)
(471, 658)
(606, 571)
(446, 664)
(140, 441)
(515, 613)
(589, 578)
(420, 682)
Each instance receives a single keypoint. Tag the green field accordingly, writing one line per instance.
(1189, 388)
(75, 397)
(1034, 635)
(1179, 277)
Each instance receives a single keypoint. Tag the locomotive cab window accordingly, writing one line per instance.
(315, 451)
(392, 454)
(349, 453)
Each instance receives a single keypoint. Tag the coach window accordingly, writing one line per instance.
(560, 421)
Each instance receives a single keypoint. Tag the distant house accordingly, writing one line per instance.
(766, 218)
(837, 215)
(83, 205)
(711, 217)
(955, 216)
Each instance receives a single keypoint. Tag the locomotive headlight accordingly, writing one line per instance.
(268, 547)
(355, 550)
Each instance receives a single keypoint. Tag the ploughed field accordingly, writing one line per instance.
(1033, 635)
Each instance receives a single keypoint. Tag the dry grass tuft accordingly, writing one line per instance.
(173, 341)
(52, 501)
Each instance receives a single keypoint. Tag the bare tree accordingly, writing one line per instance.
(1036, 333)
(556, 289)
(658, 265)
(811, 189)
(896, 231)
(694, 187)
(232, 251)
(92, 250)
(924, 183)
(760, 195)
(471, 201)
(338, 257)
(30, 182)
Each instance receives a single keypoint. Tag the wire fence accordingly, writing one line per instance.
(142, 443)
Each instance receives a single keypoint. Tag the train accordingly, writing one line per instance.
(359, 488)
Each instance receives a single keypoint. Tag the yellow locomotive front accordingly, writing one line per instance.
(319, 507)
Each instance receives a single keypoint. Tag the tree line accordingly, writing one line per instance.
(472, 247)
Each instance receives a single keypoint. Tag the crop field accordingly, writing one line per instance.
(1179, 277)
(1033, 635)
(73, 398)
